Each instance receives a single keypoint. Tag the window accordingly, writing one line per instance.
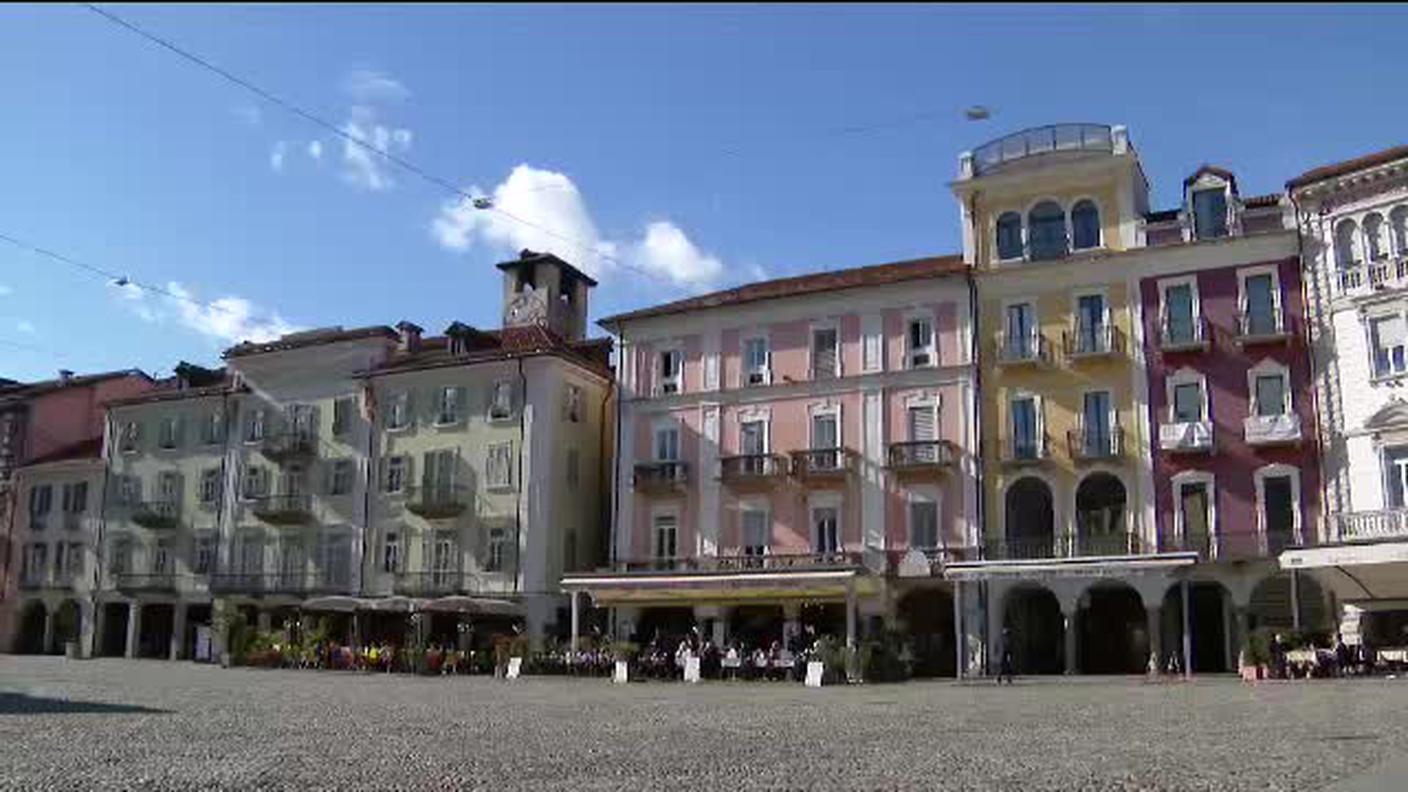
(825, 437)
(252, 554)
(756, 529)
(574, 469)
(498, 472)
(671, 371)
(1398, 229)
(36, 563)
(397, 468)
(213, 428)
(73, 568)
(210, 486)
(335, 559)
(129, 490)
(398, 411)
(1269, 395)
(161, 557)
(391, 552)
(572, 407)
(1259, 303)
(826, 536)
(1021, 331)
(444, 556)
(75, 497)
(667, 444)
(303, 420)
(1009, 236)
(204, 556)
(131, 437)
(1194, 511)
(168, 487)
(1188, 402)
(341, 480)
(498, 541)
(921, 343)
(1046, 230)
(255, 483)
(254, 426)
(120, 559)
(1090, 324)
(170, 434)
(1347, 245)
(441, 468)
(1095, 420)
(756, 368)
(1210, 213)
(1025, 438)
(342, 416)
(752, 437)
(41, 502)
(1179, 314)
(1395, 463)
(1279, 510)
(666, 536)
(1389, 337)
(1373, 237)
(923, 523)
(448, 407)
(825, 358)
(1085, 225)
(292, 559)
(501, 401)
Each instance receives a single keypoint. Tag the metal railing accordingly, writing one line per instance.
(1358, 278)
(289, 446)
(660, 475)
(1102, 443)
(287, 582)
(823, 462)
(156, 514)
(437, 501)
(447, 582)
(1026, 348)
(751, 467)
(1042, 140)
(1369, 526)
(1184, 336)
(1262, 327)
(1086, 341)
(746, 561)
(1067, 545)
(922, 454)
(1032, 450)
(145, 581)
(283, 509)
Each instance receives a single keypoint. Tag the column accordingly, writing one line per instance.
(721, 625)
(1295, 599)
(86, 629)
(134, 627)
(1187, 633)
(1072, 662)
(1229, 631)
(792, 613)
(48, 630)
(851, 670)
(1243, 625)
(178, 630)
(219, 632)
(576, 626)
(1156, 638)
(959, 637)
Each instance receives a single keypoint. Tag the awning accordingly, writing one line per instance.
(334, 604)
(474, 605)
(721, 588)
(1368, 571)
(1083, 566)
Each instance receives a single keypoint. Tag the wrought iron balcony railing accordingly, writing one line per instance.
(664, 476)
(922, 455)
(1086, 341)
(752, 468)
(1088, 444)
(1259, 328)
(145, 581)
(823, 463)
(289, 447)
(1026, 451)
(1192, 335)
(1026, 349)
(746, 561)
(286, 582)
(156, 514)
(1068, 545)
(283, 509)
(437, 501)
(449, 582)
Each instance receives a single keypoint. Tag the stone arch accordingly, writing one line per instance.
(1101, 516)
(68, 621)
(31, 635)
(1030, 519)
(1112, 629)
(1034, 629)
(1213, 644)
(927, 616)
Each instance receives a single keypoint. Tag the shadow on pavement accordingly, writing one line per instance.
(25, 704)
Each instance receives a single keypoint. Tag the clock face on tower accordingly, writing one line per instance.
(529, 307)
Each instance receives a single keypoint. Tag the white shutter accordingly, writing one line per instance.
(873, 344)
(921, 424)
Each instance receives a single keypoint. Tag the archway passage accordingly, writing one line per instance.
(157, 622)
(114, 639)
(1114, 631)
(31, 639)
(1207, 621)
(1030, 520)
(1100, 517)
(665, 626)
(927, 615)
(1033, 624)
(67, 623)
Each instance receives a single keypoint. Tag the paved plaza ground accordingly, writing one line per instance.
(155, 725)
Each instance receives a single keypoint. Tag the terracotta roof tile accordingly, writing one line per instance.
(327, 335)
(834, 280)
(1348, 166)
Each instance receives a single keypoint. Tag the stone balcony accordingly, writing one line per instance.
(752, 471)
(823, 464)
(283, 509)
(663, 477)
(437, 501)
(1271, 430)
(1190, 437)
(922, 457)
(289, 447)
(161, 514)
(1033, 349)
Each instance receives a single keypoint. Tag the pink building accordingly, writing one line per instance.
(795, 453)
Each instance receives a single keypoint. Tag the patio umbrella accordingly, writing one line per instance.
(335, 604)
(389, 605)
(476, 605)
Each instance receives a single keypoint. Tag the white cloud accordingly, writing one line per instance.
(227, 319)
(369, 85)
(315, 150)
(276, 157)
(361, 166)
(4, 290)
(25, 327)
(552, 216)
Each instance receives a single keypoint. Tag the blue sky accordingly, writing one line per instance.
(706, 146)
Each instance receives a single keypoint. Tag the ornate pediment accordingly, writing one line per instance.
(1393, 415)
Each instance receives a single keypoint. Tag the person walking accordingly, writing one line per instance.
(1004, 668)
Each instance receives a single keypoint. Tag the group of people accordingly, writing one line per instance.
(1338, 661)
(664, 659)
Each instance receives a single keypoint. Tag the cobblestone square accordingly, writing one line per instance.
(115, 724)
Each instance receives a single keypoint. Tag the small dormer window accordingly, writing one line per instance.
(1210, 213)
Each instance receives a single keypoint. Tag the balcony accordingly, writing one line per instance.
(75, 521)
(922, 457)
(1028, 350)
(823, 464)
(1070, 545)
(156, 514)
(283, 509)
(1370, 526)
(154, 581)
(1261, 328)
(289, 583)
(1087, 343)
(661, 477)
(752, 470)
(1030, 451)
(438, 501)
(1271, 430)
(1092, 445)
(1186, 437)
(1039, 141)
(1189, 336)
(289, 447)
(1358, 279)
(747, 561)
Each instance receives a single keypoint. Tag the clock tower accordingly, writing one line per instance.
(542, 289)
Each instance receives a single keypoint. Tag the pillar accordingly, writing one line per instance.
(792, 613)
(178, 630)
(1072, 663)
(1243, 625)
(134, 627)
(48, 630)
(721, 628)
(1187, 632)
(959, 638)
(219, 632)
(576, 626)
(1156, 638)
(851, 670)
(264, 621)
(86, 629)
(1229, 631)
(1295, 599)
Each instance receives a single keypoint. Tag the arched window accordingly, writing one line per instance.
(1009, 236)
(1346, 245)
(1373, 237)
(1398, 226)
(1085, 225)
(1046, 230)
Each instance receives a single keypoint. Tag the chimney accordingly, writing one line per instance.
(408, 337)
(65, 376)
